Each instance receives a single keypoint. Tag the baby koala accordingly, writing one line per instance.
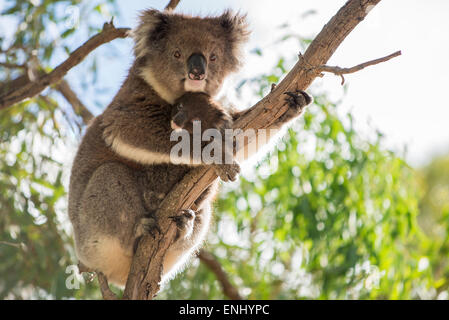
(199, 106)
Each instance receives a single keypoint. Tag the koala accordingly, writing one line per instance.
(123, 170)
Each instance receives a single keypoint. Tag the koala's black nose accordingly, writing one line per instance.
(196, 65)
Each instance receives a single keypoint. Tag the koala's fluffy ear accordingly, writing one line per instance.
(236, 32)
(235, 27)
(153, 26)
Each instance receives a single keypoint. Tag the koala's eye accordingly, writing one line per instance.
(213, 58)
(180, 106)
(177, 54)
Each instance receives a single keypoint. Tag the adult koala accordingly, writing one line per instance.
(122, 170)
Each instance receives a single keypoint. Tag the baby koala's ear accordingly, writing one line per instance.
(153, 26)
(235, 27)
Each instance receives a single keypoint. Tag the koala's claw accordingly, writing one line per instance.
(298, 99)
(149, 226)
(184, 221)
(227, 172)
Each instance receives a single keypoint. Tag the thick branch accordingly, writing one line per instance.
(228, 289)
(29, 89)
(262, 115)
(146, 268)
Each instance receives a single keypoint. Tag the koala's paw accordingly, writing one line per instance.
(298, 100)
(227, 172)
(223, 122)
(148, 225)
(184, 221)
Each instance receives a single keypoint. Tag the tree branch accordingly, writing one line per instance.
(146, 269)
(11, 93)
(263, 115)
(341, 71)
(228, 289)
(80, 109)
(8, 65)
(63, 87)
(104, 287)
(172, 4)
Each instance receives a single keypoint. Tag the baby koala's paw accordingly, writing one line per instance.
(220, 121)
(184, 221)
(210, 118)
(298, 100)
(227, 172)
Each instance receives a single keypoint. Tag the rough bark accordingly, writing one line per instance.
(146, 268)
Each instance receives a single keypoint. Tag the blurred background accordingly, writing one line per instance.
(351, 203)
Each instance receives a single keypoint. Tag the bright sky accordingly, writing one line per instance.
(403, 98)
